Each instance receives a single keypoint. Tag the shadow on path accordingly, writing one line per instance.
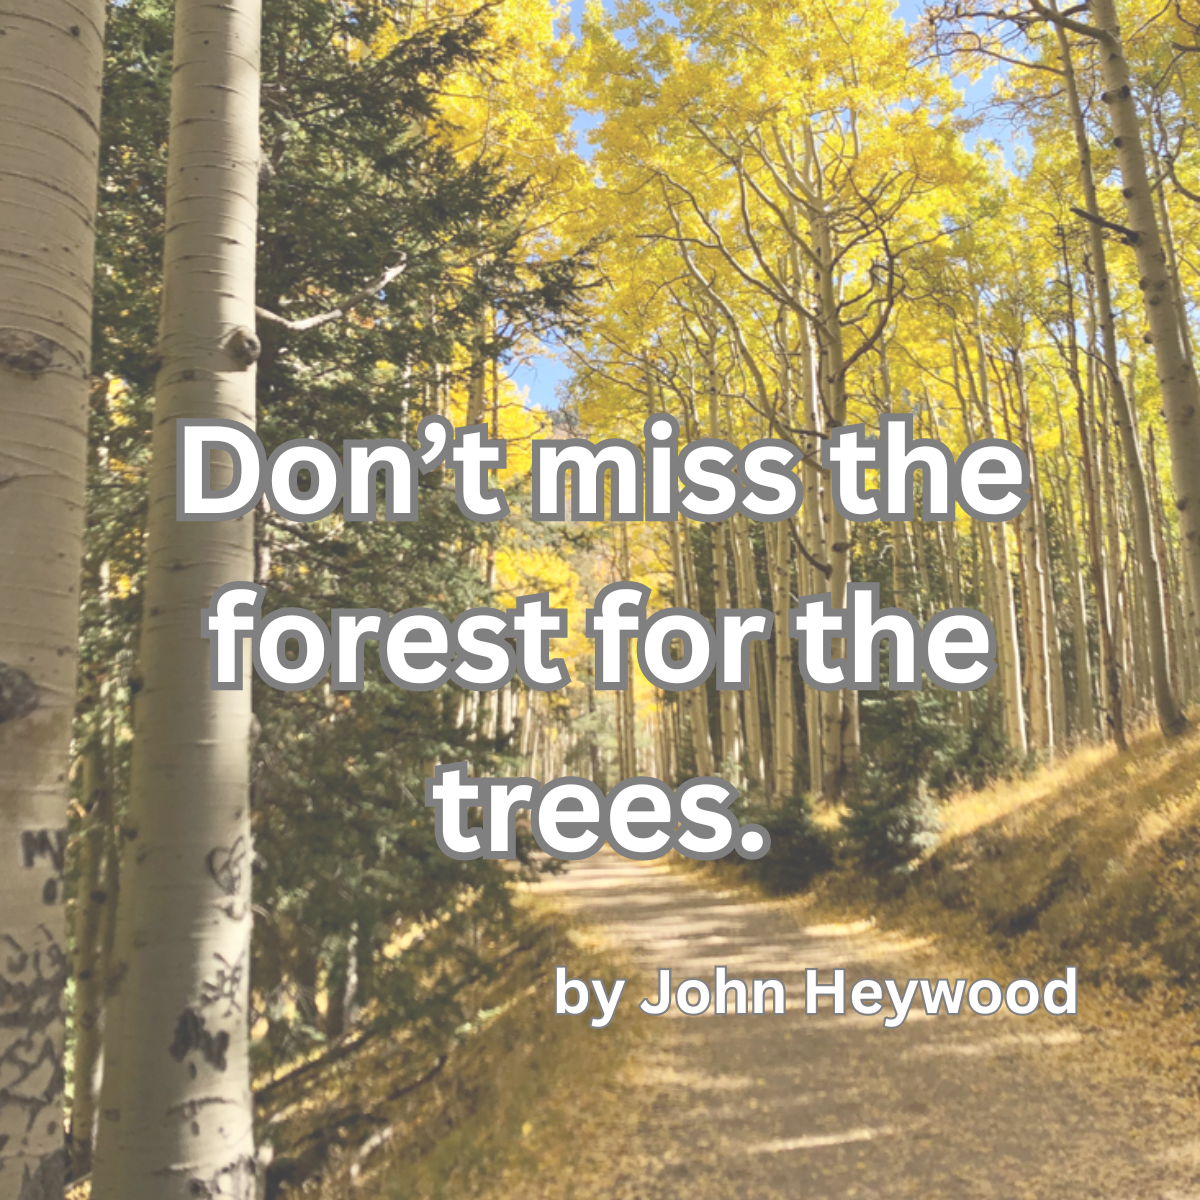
(789, 1105)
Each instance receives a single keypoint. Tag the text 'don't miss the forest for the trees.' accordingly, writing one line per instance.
(223, 472)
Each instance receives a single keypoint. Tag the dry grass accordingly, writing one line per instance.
(521, 1088)
(1093, 862)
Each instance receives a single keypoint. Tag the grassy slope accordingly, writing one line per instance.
(394, 1122)
(1092, 862)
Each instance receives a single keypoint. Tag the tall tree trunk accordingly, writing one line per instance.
(731, 741)
(625, 698)
(1170, 715)
(91, 900)
(1041, 587)
(1172, 584)
(1110, 680)
(1083, 667)
(1006, 612)
(1176, 375)
(779, 563)
(686, 596)
(748, 597)
(843, 705)
(177, 1115)
(51, 56)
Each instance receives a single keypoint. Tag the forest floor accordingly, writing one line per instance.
(822, 1106)
(1093, 861)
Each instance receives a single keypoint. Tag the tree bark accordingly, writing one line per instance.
(51, 57)
(177, 1110)
(1036, 582)
(1006, 612)
(1176, 375)
(748, 597)
(91, 901)
(1170, 715)
(697, 697)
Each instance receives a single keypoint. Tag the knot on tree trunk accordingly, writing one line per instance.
(244, 347)
(18, 694)
(29, 353)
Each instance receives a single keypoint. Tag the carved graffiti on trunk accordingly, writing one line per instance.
(32, 978)
(234, 1181)
(227, 987)
(227, 868)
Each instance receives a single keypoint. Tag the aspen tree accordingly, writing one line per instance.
(51, 58)
(685, 597)
(1170, 716)
(1176, 373)
(1006, 613)
(748, 597)
(1086, 716)
(731, 741)
(177, 1109)
(1035, 580)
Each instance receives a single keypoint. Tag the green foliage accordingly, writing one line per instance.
(359, 174)
(910, 754)
(800, 850)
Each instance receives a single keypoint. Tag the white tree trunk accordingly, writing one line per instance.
(1005, 618)
(1180, 393)
(51, 57)
(1170, 716)
(176, 1108)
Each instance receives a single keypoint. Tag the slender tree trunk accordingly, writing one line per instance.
(1058, 691)
(1036, 580)
(731, 741)
(629, 764)
(1170, 715)
(813, 528)
(843, 705)
(90, 901)
(1176, 375)
(1172, 583)
(685, 587)
(51, 56)
(748, 597)
(1083, 665)
(177, 1114)
(1006, 612)
(780, 566)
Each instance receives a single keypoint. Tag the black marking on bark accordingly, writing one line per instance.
(234, 1181)
(18, 694)
(29, 353)
(225, 866)
(191, 1035)
(48, 1181)
(32, 980)
(227, 985)
(191, 1108)
(43, 843)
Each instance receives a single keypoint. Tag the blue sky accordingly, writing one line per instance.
(543, 374)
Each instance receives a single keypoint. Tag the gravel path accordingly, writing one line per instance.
(814, 1107)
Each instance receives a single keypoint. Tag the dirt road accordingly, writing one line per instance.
(816, 1107)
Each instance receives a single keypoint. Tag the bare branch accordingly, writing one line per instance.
(1129, 236)
(304, 324)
